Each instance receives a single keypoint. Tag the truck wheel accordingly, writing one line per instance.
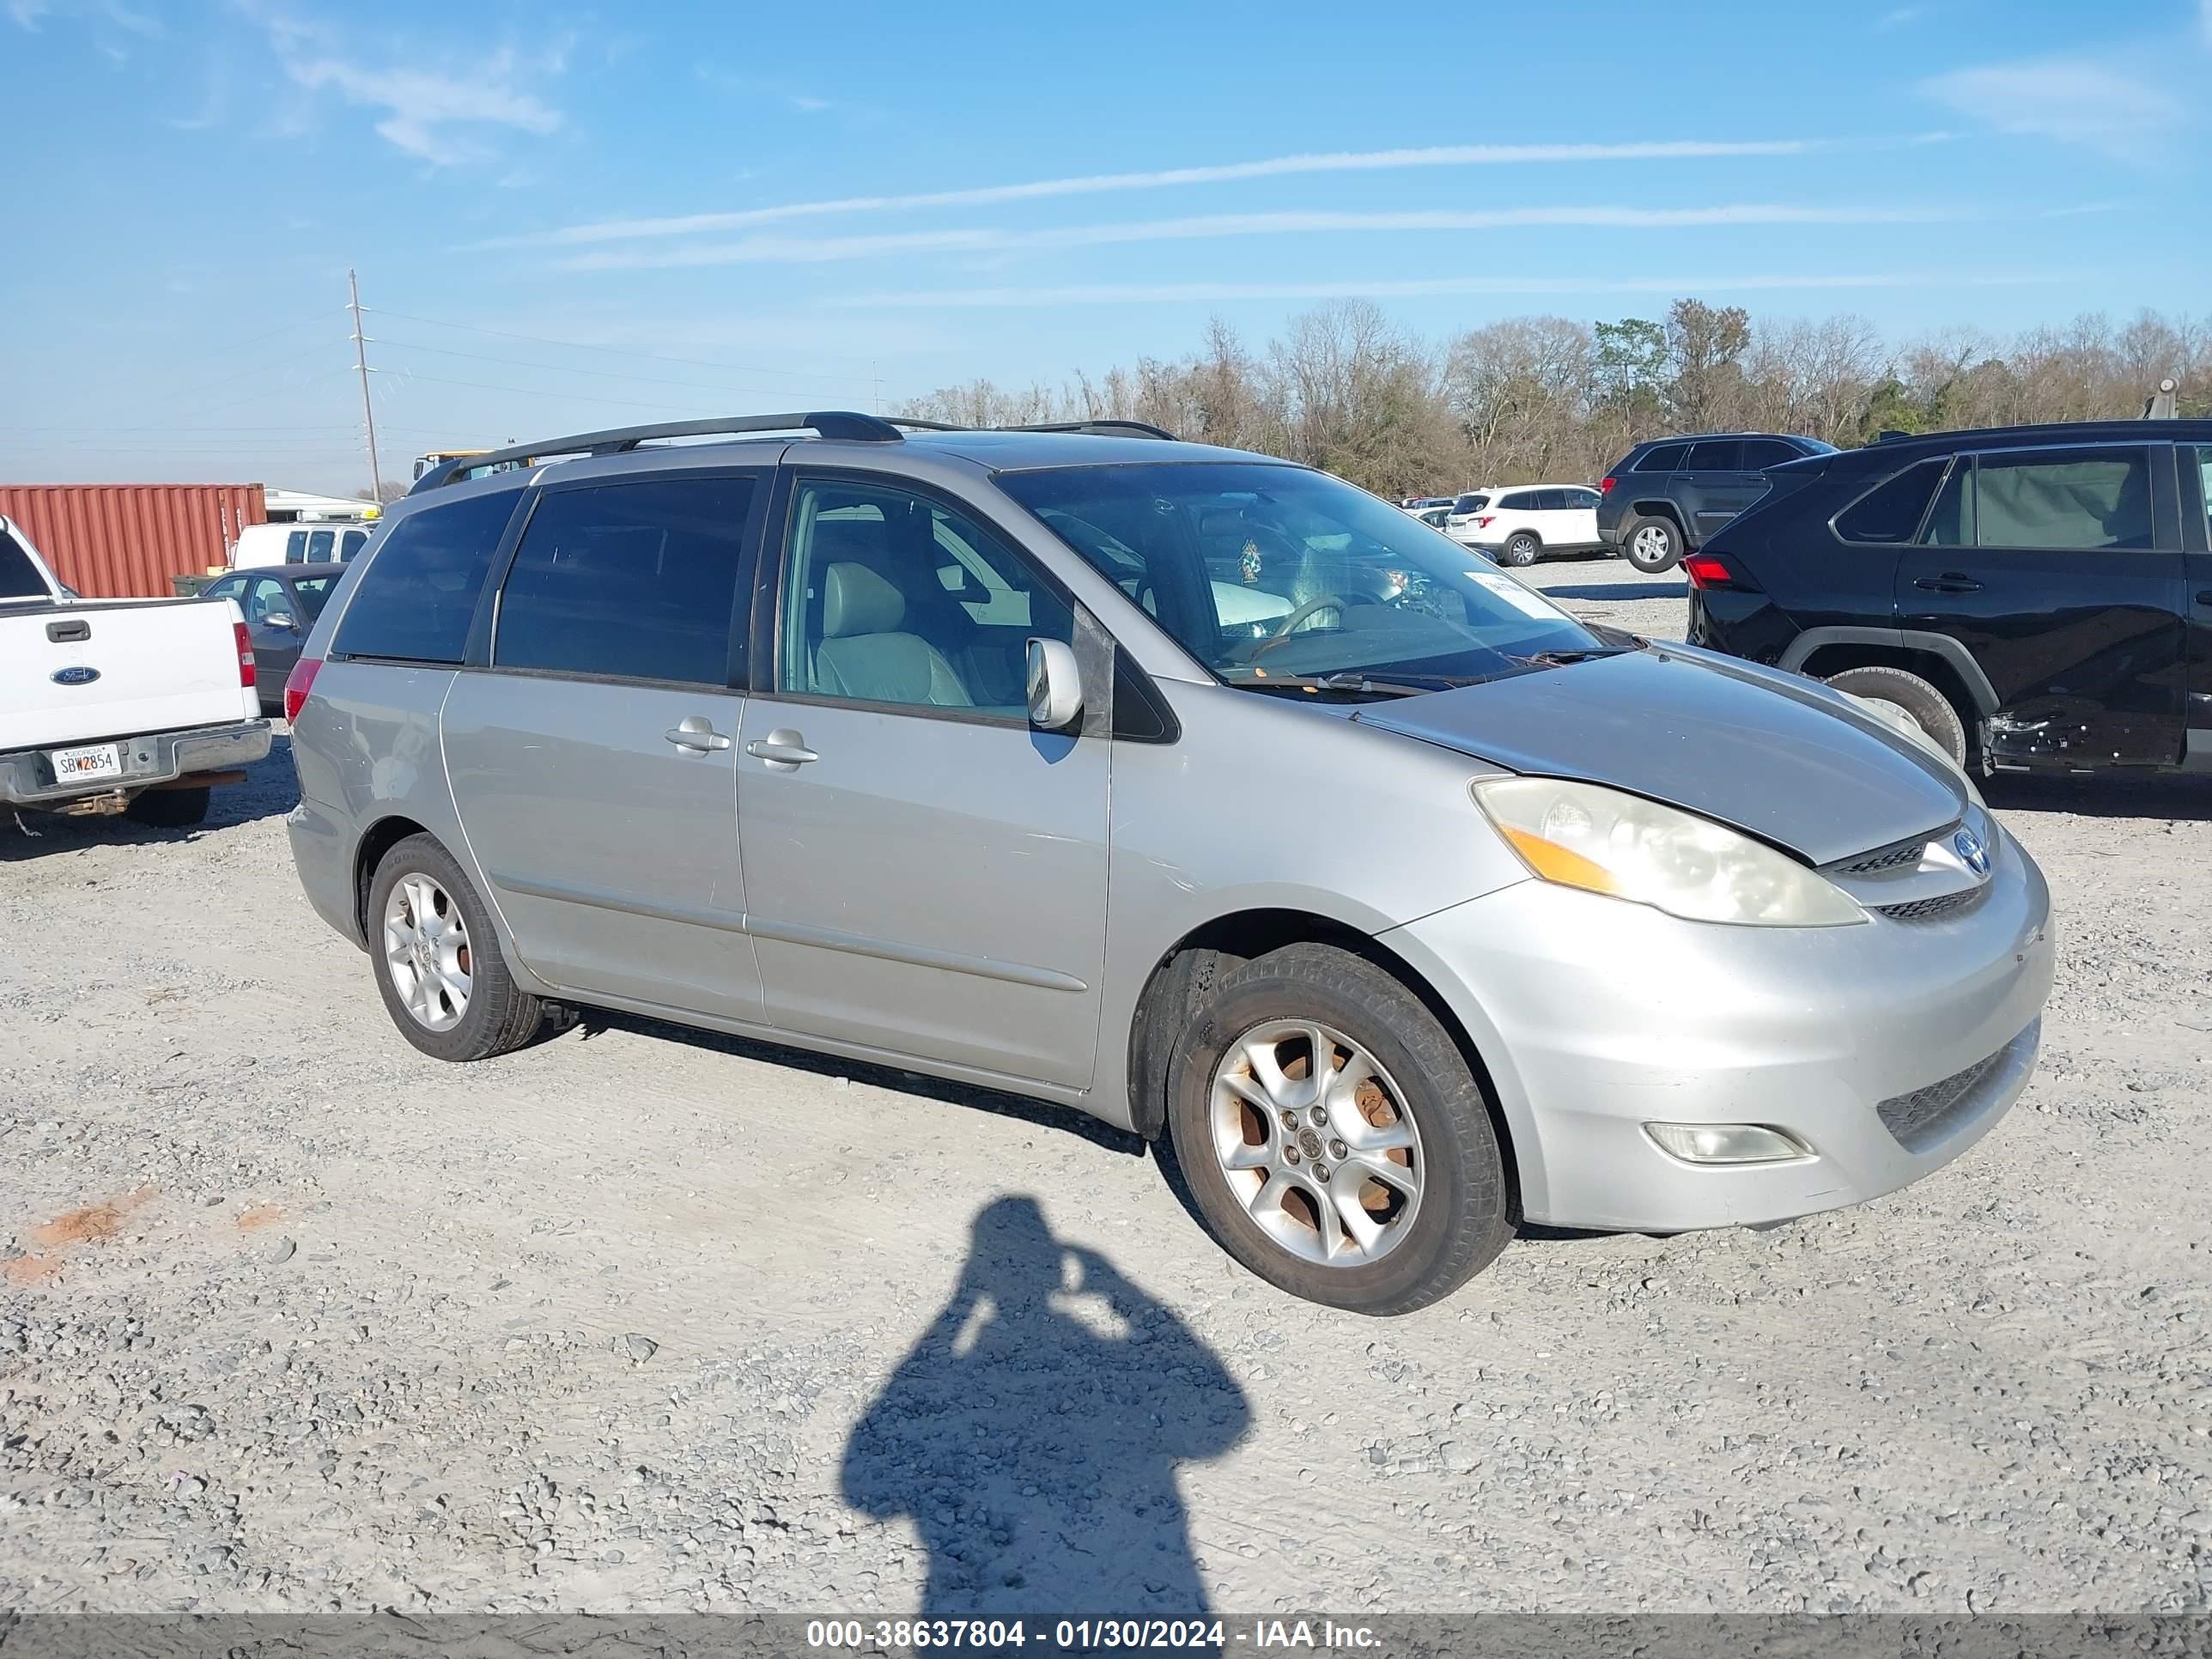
(1521, 550)
(1653, 545)
(1930, 709)
(437, 960)
(1333, 1136)
(168, 809)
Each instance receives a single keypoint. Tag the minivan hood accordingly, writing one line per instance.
(1756, 748)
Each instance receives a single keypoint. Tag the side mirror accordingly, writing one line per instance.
(1055, 686)
(281, 619)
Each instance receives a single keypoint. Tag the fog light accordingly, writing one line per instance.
(1726, 1143)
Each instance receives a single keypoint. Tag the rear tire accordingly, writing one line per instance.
(1931, 711)
(1653, 545)
(437, 959)
(1520, 550)
(168, 809)
(1446, 1208)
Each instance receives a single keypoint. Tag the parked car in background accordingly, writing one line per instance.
(1527, 957)
(1518, 526)
(1434, 517)
(2037, 598)
(137, 706)
(279, 606)
(1664, 498)
(1417, 505)
(262, 546)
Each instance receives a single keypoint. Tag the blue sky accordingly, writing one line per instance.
(567, 217)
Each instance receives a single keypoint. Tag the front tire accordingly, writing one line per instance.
(1332, 1135)
(1520, 550)
(1931, 711)
(437, 959)
(1653, 545)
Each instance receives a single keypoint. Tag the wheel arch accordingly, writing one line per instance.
(1191, 964)
(1937, 658)
(379, 838)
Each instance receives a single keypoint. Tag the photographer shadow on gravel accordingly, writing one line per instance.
(1032, 1434)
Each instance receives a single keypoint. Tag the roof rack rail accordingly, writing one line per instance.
(1102, 427)
(829, 423)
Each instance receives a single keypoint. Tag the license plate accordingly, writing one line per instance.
(89, 764)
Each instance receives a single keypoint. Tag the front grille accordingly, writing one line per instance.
(1923, 1117)
(1889, 858)
(1929, 909)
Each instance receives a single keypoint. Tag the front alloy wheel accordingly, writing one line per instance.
(1312, 1140)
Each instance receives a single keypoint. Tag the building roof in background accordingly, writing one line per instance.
(307, 504)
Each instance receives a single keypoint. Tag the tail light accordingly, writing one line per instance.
(245, 653)
(298, 683)
(1707, 570)
(1485, 521)
(1604, 486)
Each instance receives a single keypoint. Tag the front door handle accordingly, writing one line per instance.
(782, 749)
(1948, 583)
(2204, 596)
(696, 733)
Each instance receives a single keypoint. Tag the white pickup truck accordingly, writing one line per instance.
(136, 706)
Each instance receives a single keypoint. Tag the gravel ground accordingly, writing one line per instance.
(292, 1318)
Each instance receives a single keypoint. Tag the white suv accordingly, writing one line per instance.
(1519, 526)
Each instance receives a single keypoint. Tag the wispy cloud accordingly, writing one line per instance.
(803, 250)
(25, 14)
(1455, 156)
(1898, 16)
(434, 116)
(2121, 110)
(804, 103)
(1222, 293)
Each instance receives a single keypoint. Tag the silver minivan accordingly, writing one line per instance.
(1200, 791)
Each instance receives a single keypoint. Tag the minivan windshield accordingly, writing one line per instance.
(1273, 575)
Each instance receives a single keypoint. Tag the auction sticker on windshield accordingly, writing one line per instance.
(85, 765)
(1513, 593)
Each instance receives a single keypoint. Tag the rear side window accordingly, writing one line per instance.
(1760, 454)
(19, 577)
(1715, 455)
(1891, 510)
(633, 581)
(419, 594)
(2088, 501)
(1522, 500)
(1664, 457)
(349, 543)
(295, 547)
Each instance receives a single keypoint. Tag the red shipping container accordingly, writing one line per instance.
(126, 541)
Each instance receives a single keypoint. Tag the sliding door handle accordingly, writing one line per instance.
(1948, 583)
(781, 748)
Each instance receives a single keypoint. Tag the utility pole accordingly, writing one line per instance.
(361, 363)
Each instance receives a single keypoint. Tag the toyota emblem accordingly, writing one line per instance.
(1969, 847)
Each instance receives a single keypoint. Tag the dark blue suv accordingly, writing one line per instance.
(1666, 495)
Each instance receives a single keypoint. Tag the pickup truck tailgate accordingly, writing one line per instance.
(157, 665)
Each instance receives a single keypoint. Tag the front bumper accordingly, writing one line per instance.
(27, 777)
(1887, 1048)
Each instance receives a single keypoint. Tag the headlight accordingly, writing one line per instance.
(1581, 835)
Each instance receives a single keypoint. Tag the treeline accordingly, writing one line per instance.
(1535, 399)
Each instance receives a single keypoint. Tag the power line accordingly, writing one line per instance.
(534, 392)
(563, 369)
(624, 351)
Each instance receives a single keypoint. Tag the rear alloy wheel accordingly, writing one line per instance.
(1931, 711)
(1521, 548)
(437, 960)
(1653, 545)
(1332, 1135)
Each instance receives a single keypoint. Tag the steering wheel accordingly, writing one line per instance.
(1319, 602)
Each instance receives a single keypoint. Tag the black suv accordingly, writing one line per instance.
(1665, 496)
(2037, 597)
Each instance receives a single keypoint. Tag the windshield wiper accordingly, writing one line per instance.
(1564, 659)
(1400, 685)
